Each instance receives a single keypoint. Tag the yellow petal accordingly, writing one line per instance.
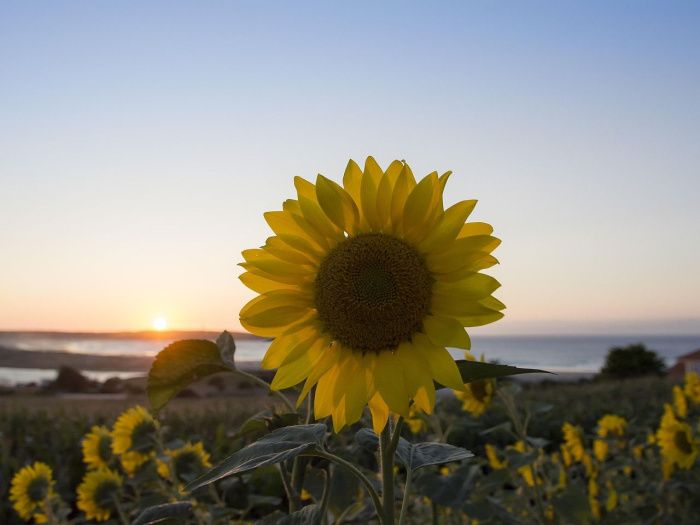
(402, 188)
(280, 348)
(280, 249)
(337, 204)
(475, 286)
(328, 359)
(313, 346)
(418, 377)
(418, 204)
(380, 413)
(471, 229)
(262, 285)
(446, 331)
(449, 226)
(352, 180)
(452, 305)
(275, 299)
(442, 365)
(368, 192)
(461, 252)
(295, 372)
(389, 383)
(384, 192)
(319, 221)
(354, 390)
(282, 223)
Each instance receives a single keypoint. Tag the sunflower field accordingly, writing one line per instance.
(362, 290)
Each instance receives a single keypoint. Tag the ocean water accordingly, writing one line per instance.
(578, 354)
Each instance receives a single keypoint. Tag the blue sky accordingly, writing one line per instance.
(140, 143)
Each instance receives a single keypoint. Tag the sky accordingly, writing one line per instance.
(141, 142)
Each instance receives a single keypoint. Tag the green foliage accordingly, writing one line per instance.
(632, 361)
(478, 371)
(278, 446)
(179, 365)
(163, 513)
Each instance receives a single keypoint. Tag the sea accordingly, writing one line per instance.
(565, 354)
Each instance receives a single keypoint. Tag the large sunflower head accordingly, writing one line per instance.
(97, 447)
(186, 462)
(134, 431)
(98, 494)
(675, 439)
(364, 285)
(30, 491)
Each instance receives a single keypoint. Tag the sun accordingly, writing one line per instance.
(159, 323)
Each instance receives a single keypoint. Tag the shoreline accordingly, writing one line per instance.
(53, 360)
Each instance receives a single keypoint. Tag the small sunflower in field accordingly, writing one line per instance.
(30, 491)
(680, 403)
(134, 431)
(186, 462)
(573, 441)
(692, 387)
(675, 439)
(133, 461)
(97, 447)
(525, 471)
(365, 285)
(612, 425)
(495, 462)
(609, 426)
(416, 423)
(477, 395)
(99, 493)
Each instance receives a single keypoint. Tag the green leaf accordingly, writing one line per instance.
(309, 515)
(419, 455)
(227, 349)
(160, 513)
(476, 370)
(280, 445)
(179, 365)
(451, 490)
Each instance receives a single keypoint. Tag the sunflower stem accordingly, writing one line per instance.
(406, 494)
(325, 498)
(358, 474)
(386, 453)
(292, 496)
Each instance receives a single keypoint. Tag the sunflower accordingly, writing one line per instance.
(611, 425)
(132, 461)
(97, 447)
(675, 439)
(526, 470)
(477, 395)
(573, 441)
(134, 431)
(415, 421)
(364, 286)
(495, 462)
(30, 491)
(692, 387)
(680, 404)
(98, 494)
(186, 462)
